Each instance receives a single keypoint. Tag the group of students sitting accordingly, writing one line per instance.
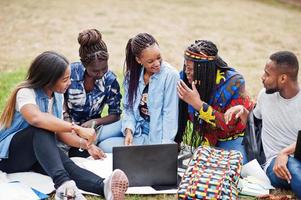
(56, 112)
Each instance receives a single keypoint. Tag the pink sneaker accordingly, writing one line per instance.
(116, 185)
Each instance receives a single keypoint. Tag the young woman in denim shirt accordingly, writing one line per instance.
(92, 87)
(151, 101)
(30, 122)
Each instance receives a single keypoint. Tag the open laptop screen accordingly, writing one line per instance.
(148, 165)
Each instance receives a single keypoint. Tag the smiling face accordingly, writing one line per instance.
(97, 68)
(63, 82)
(189, 70)
(151, 59)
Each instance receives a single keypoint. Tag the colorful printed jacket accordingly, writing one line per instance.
(83, 106)
(230, 91)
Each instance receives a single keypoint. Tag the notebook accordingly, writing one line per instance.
(148, 165)
(297, 153)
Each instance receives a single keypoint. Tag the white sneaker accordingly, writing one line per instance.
(68, 191)
(116, 185)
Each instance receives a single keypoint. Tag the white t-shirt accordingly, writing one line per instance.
(28, 96)
(281, 120)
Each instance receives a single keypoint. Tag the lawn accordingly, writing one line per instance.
(246, 32)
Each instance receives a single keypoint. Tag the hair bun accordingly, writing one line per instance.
(89, 37)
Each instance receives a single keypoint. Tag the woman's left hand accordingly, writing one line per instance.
(190, 96)
(96, 152)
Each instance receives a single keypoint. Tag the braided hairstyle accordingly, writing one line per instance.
(92, 46)
(205, 79)
(133, 49)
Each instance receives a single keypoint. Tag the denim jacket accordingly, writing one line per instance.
(19, 123)
(162, 106)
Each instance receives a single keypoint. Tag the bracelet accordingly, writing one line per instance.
(81, 149)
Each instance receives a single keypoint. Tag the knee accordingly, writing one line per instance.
(40, 134)
(106, 147)
(108, 144)
(294, 166)
(39, 130)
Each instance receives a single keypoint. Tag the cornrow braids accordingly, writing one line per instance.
(134, 48)
(92, 46)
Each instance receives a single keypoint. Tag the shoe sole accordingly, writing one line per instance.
(119, 184)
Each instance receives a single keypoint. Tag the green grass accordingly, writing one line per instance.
(8, 81)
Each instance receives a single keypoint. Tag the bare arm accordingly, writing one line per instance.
(35, 117)
(290, 149)
(108, 119)
(102, 121)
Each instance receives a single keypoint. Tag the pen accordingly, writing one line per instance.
(97, 131)
(93, 124)
(81, 140)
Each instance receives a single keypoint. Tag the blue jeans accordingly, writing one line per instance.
(235, 144)
(294, 167)
(111, 136)
(36, 149)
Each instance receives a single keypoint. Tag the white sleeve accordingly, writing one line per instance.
(25, 96)
(257, 109)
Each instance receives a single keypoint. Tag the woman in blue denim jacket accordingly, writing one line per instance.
(151, 101)
(30, 122)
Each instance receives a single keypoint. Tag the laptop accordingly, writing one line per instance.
(297, 153)
(148, 165)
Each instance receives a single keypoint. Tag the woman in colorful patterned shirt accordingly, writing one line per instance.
(207, 89)
(151, 101)
(92, 87)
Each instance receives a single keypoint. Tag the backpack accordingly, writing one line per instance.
(252, 139)
(212, 173)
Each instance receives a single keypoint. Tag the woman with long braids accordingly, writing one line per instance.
(151, 101)
(92, 87)
(207, 89)
(30, 122)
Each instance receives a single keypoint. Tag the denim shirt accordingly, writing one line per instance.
(19, 123)
(162, 106)
(83, 106)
